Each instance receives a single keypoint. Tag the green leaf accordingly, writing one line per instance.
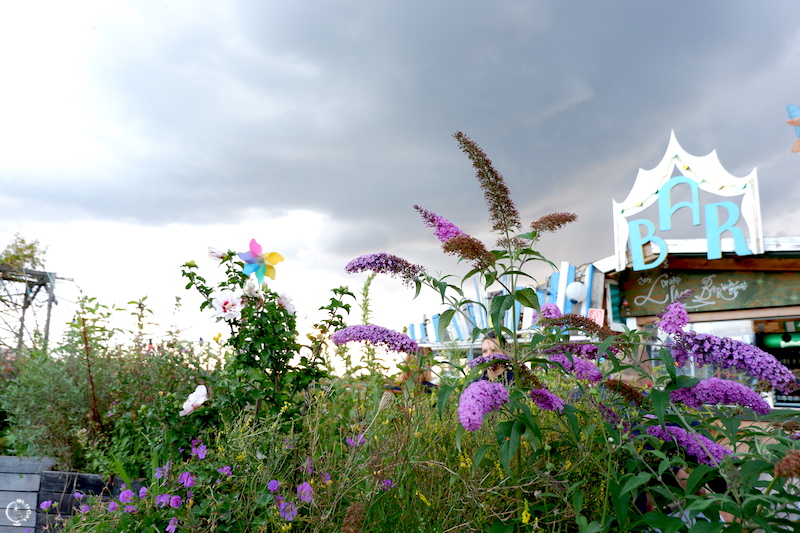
(527, 297)
(509, 443)
(668, 362)
(660, 399)
(665, 523)
(478, 457)
(444, 320)
(444, 393)
(640, 479)
(500, 304)
(698, 478)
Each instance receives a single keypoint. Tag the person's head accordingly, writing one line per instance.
(491, 344)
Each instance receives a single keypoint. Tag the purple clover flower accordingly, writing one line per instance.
(443, 229)
(126, 496)
(550, 311)
(305, 492)
(724, 352)
(479, 398)
(694, 445)
(383, 263)
(274, 485)
(392, 340)
(287, 511)
(358, 441)
(172, 526)
(714, 391)
(484, 359)
(544, 399)
(673, 319)
(582, 368)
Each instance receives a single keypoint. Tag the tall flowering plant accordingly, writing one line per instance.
(265, 369)
(607, 422)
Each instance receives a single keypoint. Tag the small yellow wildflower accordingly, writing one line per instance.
(217, 337)
(240, 457)
(423, 498)
(526, 515)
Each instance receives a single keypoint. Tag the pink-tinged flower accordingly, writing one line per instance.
(305, 492)
(112, 506)
(285, 301)
(550, 311)
(45, 505)
(227, 305)
(479, 398)
(251, 289)
(443, 229)
(392, 340)
(172, 526)
(175, 501)
(260, 263)
(715, 391)
(674, 318)
(356, 442)
(162, 500)
(215, 253)
(126, 496)
(544, 399)
(195, 400)
(186, 479)
(274, 485)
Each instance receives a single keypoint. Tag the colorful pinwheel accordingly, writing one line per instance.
(260, 263)
(794, 120)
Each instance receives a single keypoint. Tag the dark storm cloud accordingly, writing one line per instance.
(349, 107)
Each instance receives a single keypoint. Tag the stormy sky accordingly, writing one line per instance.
(133, 135)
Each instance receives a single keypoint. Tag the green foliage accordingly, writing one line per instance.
(22, 254)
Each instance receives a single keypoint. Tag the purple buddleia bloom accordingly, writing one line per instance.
(274, 485)
(544, 399)
(484, 359)
(305, 492)
(172, 526)
(391, 340)
(714, 391)
(358, 441)
(694, 445)
(186, 479)
(550, 311)
(287, 511)
(126, 496)
(582, 368)
(479, 398)
(162, 500)
(724, 352)
(584, 350)
(442, 228)
(673, 319)
(383, 263)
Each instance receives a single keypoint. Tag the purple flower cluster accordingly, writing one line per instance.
(673, 318)
(724, 352)
(392, 340)
(199, 449)
(443, 228)
(383, 263)
(550, 311)
(483, 359)
(580, 349)
(544, 399)
(387, 484)
(695, 445)
(356, 442)
(582, 368)
(480, 398)
(714, 391)
(287, 510)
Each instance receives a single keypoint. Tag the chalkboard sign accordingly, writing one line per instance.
(648, 293)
